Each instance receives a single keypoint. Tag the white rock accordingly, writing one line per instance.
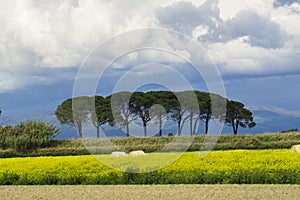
(137, 153)
(118, 154)
(296, 148)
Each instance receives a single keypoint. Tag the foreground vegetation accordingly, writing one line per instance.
(219, 167)
(27, 136)
(218, 192)
(153, 144)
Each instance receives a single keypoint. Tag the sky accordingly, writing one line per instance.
(49, 47)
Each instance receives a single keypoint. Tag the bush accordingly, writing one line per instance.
(27, 137)
(5, 133)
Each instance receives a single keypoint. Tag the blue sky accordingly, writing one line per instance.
(254, 44)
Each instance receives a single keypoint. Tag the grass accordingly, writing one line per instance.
(158, 144)
(220, 192)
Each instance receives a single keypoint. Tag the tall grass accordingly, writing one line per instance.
(154, 144)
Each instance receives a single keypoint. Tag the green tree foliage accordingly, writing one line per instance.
(207, 112)
(101, 113)
(121, 109)
(163, 102)
(179, 112)
(27, 137)
(205, 109)
(74, 111)
(188, 108)
(140, 104)
(238, 116)
(289, 131)
(189, 103)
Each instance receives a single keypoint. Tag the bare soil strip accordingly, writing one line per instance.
(220, 192)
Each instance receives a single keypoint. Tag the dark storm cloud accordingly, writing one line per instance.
(257, 30)
(185, 17)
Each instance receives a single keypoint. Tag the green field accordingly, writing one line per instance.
(218, 167)
(158, 144)
(218, 192)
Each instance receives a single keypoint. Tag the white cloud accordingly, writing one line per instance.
(282, 111)
(236, 56)
(10, 81)
(289, 20)
(37, 35)
(185, 16)
(218, 21)
(258, 30)
(181, 16)
(6, 82)
(61, 33)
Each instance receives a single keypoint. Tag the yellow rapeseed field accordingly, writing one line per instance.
(236, 166)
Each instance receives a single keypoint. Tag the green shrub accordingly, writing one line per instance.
(5, 133)
(27, 137)
(170, 134)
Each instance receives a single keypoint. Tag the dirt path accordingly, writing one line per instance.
(220, 192)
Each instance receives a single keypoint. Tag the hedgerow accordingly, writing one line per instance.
(154, 144)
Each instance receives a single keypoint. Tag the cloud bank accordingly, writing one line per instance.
(40, 39)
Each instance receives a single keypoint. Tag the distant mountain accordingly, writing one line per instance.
(268, 119)
(272, 119)
(47, 116)
(66, 131)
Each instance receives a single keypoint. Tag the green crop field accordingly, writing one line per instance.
(218, 167)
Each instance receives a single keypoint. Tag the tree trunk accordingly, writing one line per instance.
(79, 129)
(235, 131)
(178, 127)
(206, 123)
(98, 131)
(195, 124)
(160, 126)
(191, 124)
(181, 126)
(234, 126)
(127, 130)
(127, 127)
(145, 129)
